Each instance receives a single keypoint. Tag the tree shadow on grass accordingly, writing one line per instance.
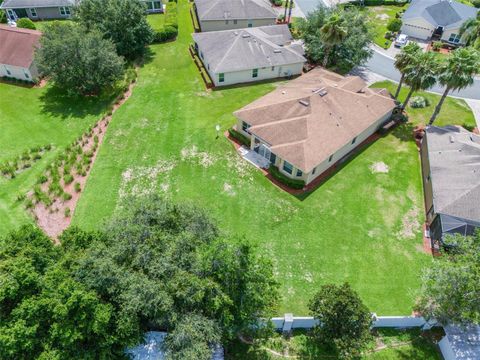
(58, 104)
(404, 132)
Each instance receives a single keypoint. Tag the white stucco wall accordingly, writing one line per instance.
(216, 25)
(245, 76)
(18, 72)
(417, 28)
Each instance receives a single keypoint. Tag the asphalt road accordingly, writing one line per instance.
(383, 65)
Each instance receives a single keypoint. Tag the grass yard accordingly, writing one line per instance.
(36, 117)
(387, 344)
(380, 17)
(454, 111)
(156, 21)
(360, 226)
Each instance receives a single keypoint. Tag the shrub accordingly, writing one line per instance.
(25, 156)
(169, 32)
(171, 15)
(437, 45)
(240, 137)
(77, 187)
(21, 197)
(68, 179)
(292, 183)
(66, 196)
(419, 102)
(28, 204)
(67, 212)
(476, 3)
(42, 179)
(394, 25)
(37, 156)
(26, 23)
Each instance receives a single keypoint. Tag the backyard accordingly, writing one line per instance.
(386, 344)
(363, 225)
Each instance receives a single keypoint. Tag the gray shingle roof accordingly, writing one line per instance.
(454, 155)
(449, 14)
(464, 342)
(251, 48)
(234, 9)
(16, 4)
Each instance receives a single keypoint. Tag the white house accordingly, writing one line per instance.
(436, 19)
(251, 54)
(215, 15)
(17, 50)
(313, 122)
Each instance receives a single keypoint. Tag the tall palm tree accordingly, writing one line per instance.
(332, 33)
(421, 74)
(470, 32)
(457, 74)
(407, 56)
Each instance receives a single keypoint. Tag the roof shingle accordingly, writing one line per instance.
(17, 46)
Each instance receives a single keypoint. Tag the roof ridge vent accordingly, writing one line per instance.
(245, 35)
(277, 51)
(304, 102)
(452, 138)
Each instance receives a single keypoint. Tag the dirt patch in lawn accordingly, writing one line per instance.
(410, 224)
(379, 167)
(55, 197)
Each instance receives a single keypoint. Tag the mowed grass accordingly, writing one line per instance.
(359, 226)
(454, 111)
(380, 17)
(35, 117)
(156, 21)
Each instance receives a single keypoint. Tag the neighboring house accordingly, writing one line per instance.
(17, 50)
(451, 181)
(152, 349)
(215, 15)
(252, 54)
(436, 19)
(153, 6)
(313, 122)
(38, 9)
(460, 343)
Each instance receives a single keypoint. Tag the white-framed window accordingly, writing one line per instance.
(226, 22)
(26, 74)
(454, 38)
(64, 10)
(11, 14)
(273, 68)
(221, 77)
(8, 71)
(299, 173)
(287, 167)
(235, 22)
(33, 12)
(330, 158)
(245, 126)
(353, 141)
(255, 73)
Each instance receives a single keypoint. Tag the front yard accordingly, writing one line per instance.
(380, 17)
(361, 226)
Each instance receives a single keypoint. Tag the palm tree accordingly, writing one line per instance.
(470, 32)
(403, 59)
(332, 33)
(458, 73)
(421, 74)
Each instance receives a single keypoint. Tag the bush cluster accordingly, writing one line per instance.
(292, 183)
(384, 2)
(240, 137)
(10, 168)
(394, 25)
(419, 102)
(170, 29)
(26, 23)
(276, 2)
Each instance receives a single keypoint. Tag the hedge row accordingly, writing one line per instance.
(170, 29)
(239, 136)
(382, 2)
(292, 183)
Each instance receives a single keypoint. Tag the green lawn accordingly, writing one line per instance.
(387, 344)
(156, 21)
(360, 226)
(454, 111)
(380, 17)
(35, 117)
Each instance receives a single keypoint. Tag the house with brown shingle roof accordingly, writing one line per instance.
(17, 52)
(311, 123)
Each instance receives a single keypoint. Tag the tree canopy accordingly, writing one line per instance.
(451, 289)
(344, 319)
(337, 37)
(80, 62)
(122, 21)
(154, 266)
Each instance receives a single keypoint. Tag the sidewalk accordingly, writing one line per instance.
(475, 106)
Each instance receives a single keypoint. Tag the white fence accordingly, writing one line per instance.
(289, 322)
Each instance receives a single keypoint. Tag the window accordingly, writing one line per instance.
(26, 75)
(8, 71)
(11, 14)
(235, 22)
(201, 54)
(454, 38)
(330, 158)
(64, 11)
(428, 177)
(33, 12)
(245, 126)
(287, 167)
(221, 77)
(255, 73)
(157, 5)
(273, 68)
(250, 24)
(314, 171)
(299, 173)
(354, 139)
(226, 22)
